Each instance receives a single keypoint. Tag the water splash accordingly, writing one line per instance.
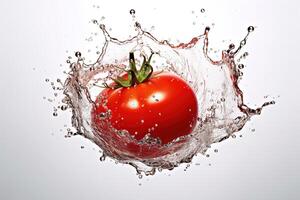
(216, 84)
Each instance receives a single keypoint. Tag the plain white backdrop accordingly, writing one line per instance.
(37, 162)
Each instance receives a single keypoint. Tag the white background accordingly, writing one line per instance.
(36, 164)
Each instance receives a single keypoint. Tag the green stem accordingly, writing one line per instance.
(135, 76)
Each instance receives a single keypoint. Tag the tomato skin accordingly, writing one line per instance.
(164, 107)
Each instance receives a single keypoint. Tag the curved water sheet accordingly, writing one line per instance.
(222, 111)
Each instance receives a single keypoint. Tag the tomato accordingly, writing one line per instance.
(163, 107)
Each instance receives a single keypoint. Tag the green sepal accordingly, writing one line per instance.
(122, 82)
(135, 76)
(145, 72)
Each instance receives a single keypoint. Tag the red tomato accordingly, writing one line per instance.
(164, 107)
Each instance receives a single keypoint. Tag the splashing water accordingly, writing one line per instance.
(222, 111)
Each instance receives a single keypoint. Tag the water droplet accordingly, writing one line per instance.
(207, 29)
(102, 26)
(47, 80)
(132, 11)
(140, 176)
(231, 46)
(78, 54)
(241, 66)
(216, 150)
(142, 121)
(95, 21)
(63, 107)
(55, 114)
(137, 25)
(102, 115)
(102, 158)
(250, 28)
(243, 42)
(202, 10)
(82, 147)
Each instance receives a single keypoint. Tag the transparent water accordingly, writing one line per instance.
(222, 111)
